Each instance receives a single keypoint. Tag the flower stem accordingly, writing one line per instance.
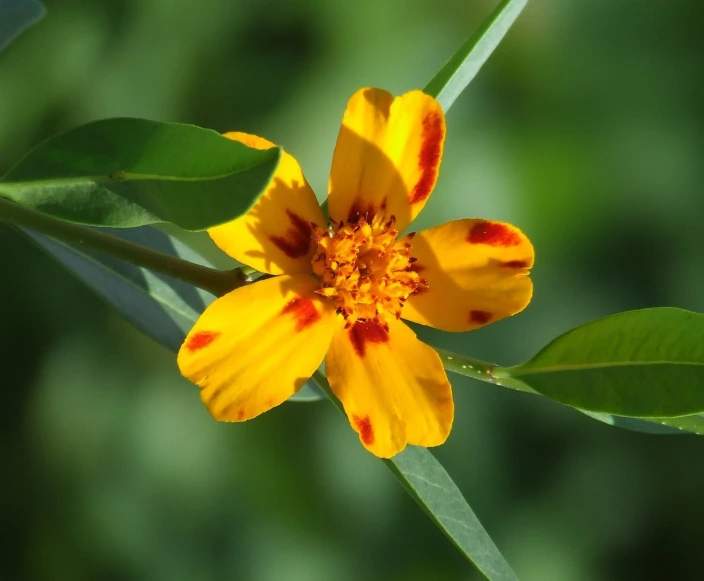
(481, 370)
(217, 282)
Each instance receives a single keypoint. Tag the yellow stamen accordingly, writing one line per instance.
(364, 270)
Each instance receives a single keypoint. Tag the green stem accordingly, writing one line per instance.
(481, 370)
(217, 282)
(460, 364)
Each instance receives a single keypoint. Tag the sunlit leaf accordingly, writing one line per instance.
(163, 308)
(431, 487)
(133, 172)
(484, 371)
(464, 65)
(16, 16)
(683, 425)
(647, 363)
(647, 426)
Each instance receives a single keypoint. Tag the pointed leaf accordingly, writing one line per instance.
(133, 172)
(431, 487)
(16, 16)
(464, 65)
(647, 364)
(484, 371)
(661, 426)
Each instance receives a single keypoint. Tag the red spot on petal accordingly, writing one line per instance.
(360, 209)
(297, 240)
(416, 267)
(365, 429)
(515, 264)
(304, 311)
(368, 332)
(493, 234)
(240, 414)
(367, 210)
(429, 156)
(480, 317)
(200, 340)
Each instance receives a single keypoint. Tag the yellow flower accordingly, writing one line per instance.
(338, 294)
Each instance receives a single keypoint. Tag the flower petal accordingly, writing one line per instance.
(477, 273)
(387, 155)
(255, 347)
(275, 235)
(393, 386)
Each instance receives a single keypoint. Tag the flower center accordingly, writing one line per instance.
(364, 270)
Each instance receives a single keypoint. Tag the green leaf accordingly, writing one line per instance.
(16, 16)
(661, 426)
(464, 65)
(647, 426)
(133, 172)
(647, 364)
(484, 371)
(693, 424)
(163, 308)
(431, 487)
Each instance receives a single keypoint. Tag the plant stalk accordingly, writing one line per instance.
(481, 370)
(217, 282)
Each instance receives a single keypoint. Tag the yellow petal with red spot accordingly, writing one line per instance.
(275, 235)
(387, 156)
(476, 273)
(393, 387)
(254, 348)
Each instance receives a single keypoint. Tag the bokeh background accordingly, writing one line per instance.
(585, 128)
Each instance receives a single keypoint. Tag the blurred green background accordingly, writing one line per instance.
(585, 129)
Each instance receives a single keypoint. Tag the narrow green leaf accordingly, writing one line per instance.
(693, 424)
(647, 364)
(464, 65)
(661, 426)
(431, 487)
(16, 16)
(133, 172)
(647, 426)
(162, 308)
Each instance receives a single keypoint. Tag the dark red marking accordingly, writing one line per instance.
(201, 339)
(367, 332)
(429, 156)
(361, 209)
(493, 234)
(416, 267)
(480, 317)
(515, 264)
(240, 414)
(365, 429)
(296, 242)
(304, 311)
